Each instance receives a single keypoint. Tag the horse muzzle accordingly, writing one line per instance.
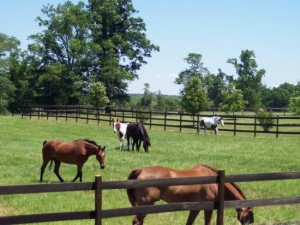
(102, 167)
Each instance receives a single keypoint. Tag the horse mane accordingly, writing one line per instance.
(89, 141)
(233, 184)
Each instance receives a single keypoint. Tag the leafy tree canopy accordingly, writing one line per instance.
(249, 79)
(98, 41)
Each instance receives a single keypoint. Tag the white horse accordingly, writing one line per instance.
(210, 123)
(120, 129)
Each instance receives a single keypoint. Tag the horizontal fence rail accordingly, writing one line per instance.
(288, 125)
(98, 214)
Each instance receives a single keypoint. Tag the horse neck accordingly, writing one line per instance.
(123, 127)
(91, 149)
(233, 192)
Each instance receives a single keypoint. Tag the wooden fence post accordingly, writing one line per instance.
(87, 114)
(221, 193)
(98, 200)
(180, 121)
(198, 123)
(234, 126)
(255, 125)
(277, 125)
(150, 119)
(165, 121)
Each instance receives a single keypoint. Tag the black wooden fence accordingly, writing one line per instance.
(234, 124)
(98, 214)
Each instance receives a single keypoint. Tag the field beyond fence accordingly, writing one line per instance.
(165, 120)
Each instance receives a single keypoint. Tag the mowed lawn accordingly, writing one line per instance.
(20, 161)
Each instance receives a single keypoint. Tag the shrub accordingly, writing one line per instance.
(265, 120)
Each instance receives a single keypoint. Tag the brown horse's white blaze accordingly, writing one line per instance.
(183, 193)
(76, 152)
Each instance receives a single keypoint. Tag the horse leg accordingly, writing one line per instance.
(56, 170)
(133, 143)
(79, 173)
(138, 219)
(128, 143)
(207, 216)
(121, 144)
(192, 217)
(43, 167)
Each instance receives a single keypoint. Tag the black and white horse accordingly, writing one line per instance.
(210, 123)
(138, 133)
(120, 129)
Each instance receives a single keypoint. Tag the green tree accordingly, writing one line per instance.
(6, 91)
(194, 97)
(97, 95)
(85, 43)
(249, 79)
(196, 69)
(233, 100)
(8, 47)
(294, 105)
(147, 98)
(216, 86)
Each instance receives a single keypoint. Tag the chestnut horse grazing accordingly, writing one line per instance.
(76, 152)
(183, 193)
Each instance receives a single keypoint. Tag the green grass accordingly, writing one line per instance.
(20, 161)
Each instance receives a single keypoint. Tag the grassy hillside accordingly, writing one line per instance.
(20, 161)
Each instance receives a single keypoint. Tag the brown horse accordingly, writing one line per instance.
(76, 152)
(183, 193)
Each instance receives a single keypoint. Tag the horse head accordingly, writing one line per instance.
(218, 120)
(146, 144)
(116, 125)
(245, 216)
(100, 156)
(221, 121)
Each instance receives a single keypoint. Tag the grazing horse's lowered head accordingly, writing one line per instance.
(120, 129)
(142, 196)
(138, 133)
(211, 123)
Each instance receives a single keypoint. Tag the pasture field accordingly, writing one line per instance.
(20, 161)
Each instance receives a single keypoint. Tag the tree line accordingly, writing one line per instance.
(87, 53)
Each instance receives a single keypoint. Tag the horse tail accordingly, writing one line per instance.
(130, 192)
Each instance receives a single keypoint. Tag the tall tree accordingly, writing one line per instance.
(216, 86)
(233, 100)
(8, 48)
(82, 44)
(249, 79)
(122, 39)
(147, 98)
(194, 96)
(196, 69)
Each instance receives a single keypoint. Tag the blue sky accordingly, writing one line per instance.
(217, 29)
